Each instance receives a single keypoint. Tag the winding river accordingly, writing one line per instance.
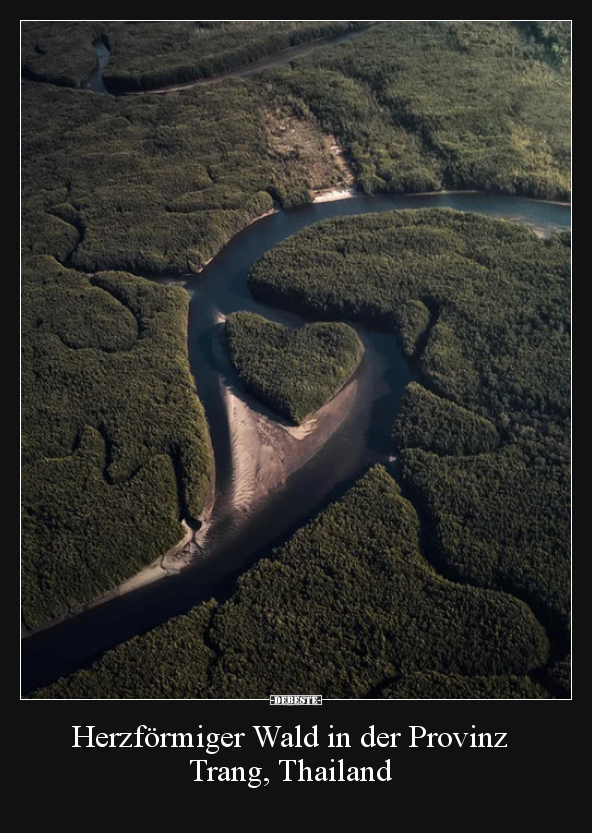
(284, 56)
(237, 538)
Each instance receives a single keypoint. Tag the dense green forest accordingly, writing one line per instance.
(58, 51)
(348, 604)
(148, 185)
(488, 108)
(172, 662)
(146, 55)
(431, 685)
(292, 371)
(497, 341)
(432, 593)
(115, 442)
(494, 357)
(501, 520)
(435, 424)
(155, 184)
(424, 105)
(351, 605)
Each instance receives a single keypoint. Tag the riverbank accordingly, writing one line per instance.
(284, 448)
(171, 563)
(175, 559)
(266, 449)
(265, 453)
(230, 239)
(362, 438)
(333, 194)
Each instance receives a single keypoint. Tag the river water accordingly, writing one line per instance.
(362, 439)
(95, 82)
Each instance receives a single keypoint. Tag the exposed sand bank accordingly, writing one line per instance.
(266, 450)
(332, 194)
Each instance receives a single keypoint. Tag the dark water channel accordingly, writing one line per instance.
(95, 82)
(362, 439)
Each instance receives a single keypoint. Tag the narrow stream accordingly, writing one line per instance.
(362, 439)
(95, 82)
